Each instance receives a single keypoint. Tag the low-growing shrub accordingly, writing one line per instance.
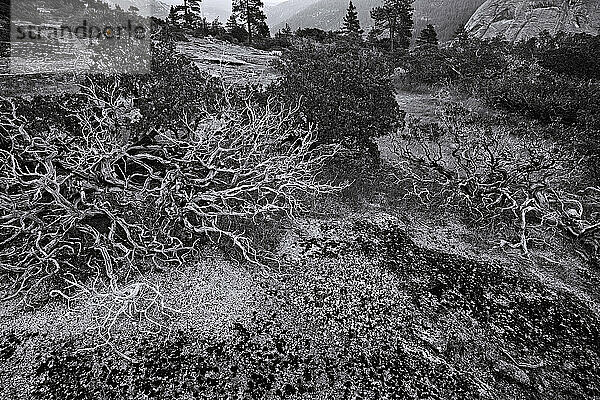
(548, 79)
(504, 178)
(98, 192)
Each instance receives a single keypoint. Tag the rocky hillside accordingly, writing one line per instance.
(522, 19)
(231, 62)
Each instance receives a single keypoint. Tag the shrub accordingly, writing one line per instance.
(345, 91)
(175, 88)
(549, 79)
(315, 34)
(574, 55)
(506, 180)
(94, 192)
(427, 65)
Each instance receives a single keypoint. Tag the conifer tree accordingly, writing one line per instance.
(250, 12)
(287, 31)
(395, 17)
(235, 29)
(351, 22)
(428, 36)
(216, 27)
(231, 24)
(193, 12)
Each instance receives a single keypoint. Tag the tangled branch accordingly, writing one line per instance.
(503, 181)
(104, 197)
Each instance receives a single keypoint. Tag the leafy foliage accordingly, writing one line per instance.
(345, 92)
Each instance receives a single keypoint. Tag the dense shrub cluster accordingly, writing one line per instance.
(344, 91)
(575, 55)
(501, 175)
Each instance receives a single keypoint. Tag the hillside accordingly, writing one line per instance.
(304, 223)
(147, 8)
(520, 19)
(232, 63)
(446, 15)
(278, 14)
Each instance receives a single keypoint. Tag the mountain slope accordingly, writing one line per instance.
(446, 15)
(216, 9)
(147, 8)
(278, 14)
(522, 19)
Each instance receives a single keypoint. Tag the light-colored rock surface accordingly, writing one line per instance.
(523, 19)
(234, 63)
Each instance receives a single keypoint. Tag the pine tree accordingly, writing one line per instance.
(428, 36)
(216, 27)
(250, 12)
(461, 35)
(262, 30)
(395, 17)
(236, 30)
(287, 31)
(351, 22)
(231, 24)
(172, 18)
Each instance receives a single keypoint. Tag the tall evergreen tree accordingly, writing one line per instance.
(395, 17)
(251, 13)
(351, 22)
(231, 24)
(262, 30)
(216, 27)
(193, 12)
(428, 36)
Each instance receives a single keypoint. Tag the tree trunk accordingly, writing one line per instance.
(248, 20)
(392, 34)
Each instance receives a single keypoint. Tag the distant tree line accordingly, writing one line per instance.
(392, 31)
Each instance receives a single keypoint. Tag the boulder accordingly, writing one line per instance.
(522, 19)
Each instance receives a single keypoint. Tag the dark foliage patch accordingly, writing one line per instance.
(345, 91)
(533, 319)
(254, 363)
(8, 345)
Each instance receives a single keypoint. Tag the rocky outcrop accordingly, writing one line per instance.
(522, 19)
